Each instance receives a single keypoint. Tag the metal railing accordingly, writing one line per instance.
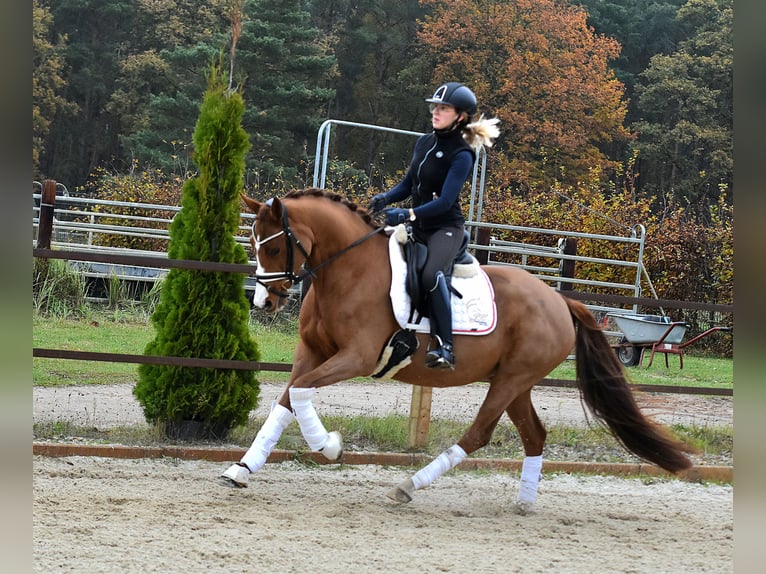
(92, 224)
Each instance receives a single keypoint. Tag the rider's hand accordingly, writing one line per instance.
(396, 215)
(378, 202)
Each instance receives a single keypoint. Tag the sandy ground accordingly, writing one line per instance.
(114, 515)
(110, 515)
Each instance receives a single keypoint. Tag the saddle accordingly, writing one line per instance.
(474, 311)
(415, 254)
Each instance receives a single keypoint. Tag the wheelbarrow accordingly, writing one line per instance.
(655, 332)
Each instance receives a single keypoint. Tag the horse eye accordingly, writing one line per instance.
(272, 251)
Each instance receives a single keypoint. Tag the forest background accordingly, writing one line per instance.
(612, 113)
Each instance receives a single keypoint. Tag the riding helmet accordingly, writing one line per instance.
(455, 94)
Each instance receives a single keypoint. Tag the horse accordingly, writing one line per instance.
(346, 319)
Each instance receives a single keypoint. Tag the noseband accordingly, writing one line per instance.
(288, 274)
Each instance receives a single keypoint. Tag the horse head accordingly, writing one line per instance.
(279, 253)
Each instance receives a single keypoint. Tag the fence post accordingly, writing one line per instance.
(47, 204)
(420, 416)
(568, 265)
(482, 238)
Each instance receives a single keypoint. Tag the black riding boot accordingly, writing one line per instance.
(440, 316)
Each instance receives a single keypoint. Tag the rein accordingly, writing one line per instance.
(289, 274)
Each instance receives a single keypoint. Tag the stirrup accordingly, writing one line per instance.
(440, 357)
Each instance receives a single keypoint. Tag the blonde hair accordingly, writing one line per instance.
(481, 133)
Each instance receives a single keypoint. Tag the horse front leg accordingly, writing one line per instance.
(278, 420)
(330, 444)
(280, 417)
(343, 365)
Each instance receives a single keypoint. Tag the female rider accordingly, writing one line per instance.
(441, 164)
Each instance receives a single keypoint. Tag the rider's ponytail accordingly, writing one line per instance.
(481, 133)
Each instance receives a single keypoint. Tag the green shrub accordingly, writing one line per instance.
(205, 314)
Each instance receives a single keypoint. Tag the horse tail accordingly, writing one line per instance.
(604, 388)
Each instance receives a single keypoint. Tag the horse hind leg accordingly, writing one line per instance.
(477, 436)
(447, 460)
(532, 432)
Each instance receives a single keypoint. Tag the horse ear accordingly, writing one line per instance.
(252, 204)
(276, 208)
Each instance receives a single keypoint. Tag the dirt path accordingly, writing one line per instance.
(104, 406)
(110, 515)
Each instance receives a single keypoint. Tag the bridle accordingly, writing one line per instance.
(288, 274)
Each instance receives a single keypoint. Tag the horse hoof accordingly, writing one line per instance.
(235, 476)
(334, 447)
(523, 507)
(402, 492)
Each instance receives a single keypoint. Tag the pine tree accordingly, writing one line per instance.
(203, 313)
(286, 72)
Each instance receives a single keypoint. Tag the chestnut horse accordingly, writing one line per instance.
(346, 320)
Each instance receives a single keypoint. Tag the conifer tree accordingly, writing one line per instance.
(204, 313)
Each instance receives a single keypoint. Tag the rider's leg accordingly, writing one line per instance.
(440, 356)
(443, 246)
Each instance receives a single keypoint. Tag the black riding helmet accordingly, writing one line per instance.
(455, 94)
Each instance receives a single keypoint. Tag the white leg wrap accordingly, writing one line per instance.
(530, 477)
(278, 420)
(311, 427)
(447, 460)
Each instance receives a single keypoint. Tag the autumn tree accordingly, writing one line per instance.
(382, 78)
(98, 34)
(285, 74)
(642, 27)
(161, 80)
(538, 67)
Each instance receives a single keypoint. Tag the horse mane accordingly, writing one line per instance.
(315, 192)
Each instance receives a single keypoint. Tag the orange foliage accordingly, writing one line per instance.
(685, 258)
(537, 66)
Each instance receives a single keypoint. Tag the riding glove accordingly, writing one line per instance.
(396, 215)
(378, 202)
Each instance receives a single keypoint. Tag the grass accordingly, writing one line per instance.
(698, 371)
(390, 434)
(124, 332)
(120, 331)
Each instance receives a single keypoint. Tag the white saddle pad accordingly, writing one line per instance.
(474, 314)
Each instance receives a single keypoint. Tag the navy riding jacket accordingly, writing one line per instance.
(441, 164)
